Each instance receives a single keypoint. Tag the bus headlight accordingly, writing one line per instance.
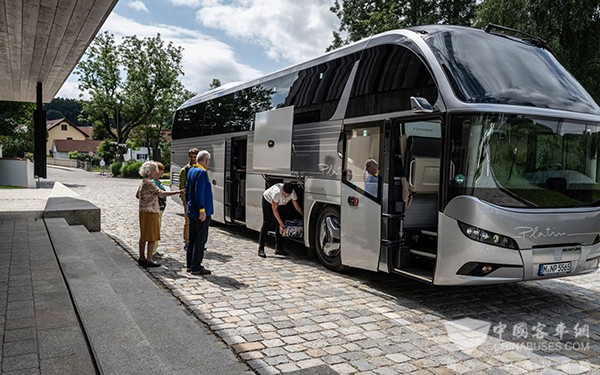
(487, 237)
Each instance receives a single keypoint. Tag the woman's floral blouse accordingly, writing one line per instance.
(148, 194)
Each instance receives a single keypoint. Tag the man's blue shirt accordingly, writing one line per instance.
(198, 192)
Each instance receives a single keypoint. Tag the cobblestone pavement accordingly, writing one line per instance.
(282, 314)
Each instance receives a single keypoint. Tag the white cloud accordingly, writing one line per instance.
(288, 31)
(187, 3)
(291, 30)
(204, 58)
(138, 5)
(70, 89)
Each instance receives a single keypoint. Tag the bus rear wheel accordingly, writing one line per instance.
(327, 239)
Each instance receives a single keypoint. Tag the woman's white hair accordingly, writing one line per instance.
(147, 167)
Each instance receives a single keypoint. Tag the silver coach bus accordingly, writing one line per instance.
(485, 151)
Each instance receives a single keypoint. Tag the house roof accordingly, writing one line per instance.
(42, 41)
(52, 123)
(87, 130)
(66, 145)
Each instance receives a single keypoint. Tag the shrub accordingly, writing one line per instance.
(131, 169)
(115, 168)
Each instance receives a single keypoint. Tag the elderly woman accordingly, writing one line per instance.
(148, 194)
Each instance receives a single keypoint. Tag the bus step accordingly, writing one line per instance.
(426, 254)
(416, 273)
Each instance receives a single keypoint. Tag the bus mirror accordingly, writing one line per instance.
(420, 105)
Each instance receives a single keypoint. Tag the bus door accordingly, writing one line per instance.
(413, 205)
(361, 196)
(235, 179)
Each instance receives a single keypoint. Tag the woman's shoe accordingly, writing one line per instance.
(142, 262)
(152, 264)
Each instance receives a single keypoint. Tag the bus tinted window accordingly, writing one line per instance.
(188, 122)
(316, 91)
(521, 74)
(387, 77)
(246, 103)
(217, 117)
(278, 89)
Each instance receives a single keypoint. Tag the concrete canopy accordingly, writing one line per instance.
(42, 41)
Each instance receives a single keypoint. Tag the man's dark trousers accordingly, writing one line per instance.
(197, 243)
(269, 222)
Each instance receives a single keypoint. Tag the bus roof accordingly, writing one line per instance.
(481, 67)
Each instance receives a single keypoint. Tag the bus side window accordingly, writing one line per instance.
(362, 161)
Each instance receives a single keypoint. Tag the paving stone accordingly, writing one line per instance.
(20, 362)
(247, 347)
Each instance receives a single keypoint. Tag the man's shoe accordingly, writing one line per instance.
(281, 251)
(152, 264)
(202, 271)
(261, 253)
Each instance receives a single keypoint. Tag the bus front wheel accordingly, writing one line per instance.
(327, 239)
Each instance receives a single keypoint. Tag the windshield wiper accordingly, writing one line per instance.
(538, 42)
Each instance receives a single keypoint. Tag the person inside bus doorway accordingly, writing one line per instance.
(277, 195)
(373, 177)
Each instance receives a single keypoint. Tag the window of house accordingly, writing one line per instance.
(63, 127)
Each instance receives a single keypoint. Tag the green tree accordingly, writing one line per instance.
(107, 150)
(360, 19)
(16, 142)
(214, 84)
(569, 27)
(130, 85)
(66, 108)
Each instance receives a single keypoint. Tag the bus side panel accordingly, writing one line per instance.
(216, 174)
(273, 140)
(318, 191)
(361, 230)
(255, 186)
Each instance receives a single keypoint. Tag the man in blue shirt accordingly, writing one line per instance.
(199, 200)
(373, 177)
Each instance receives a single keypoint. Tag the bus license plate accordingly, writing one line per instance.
(554, 269)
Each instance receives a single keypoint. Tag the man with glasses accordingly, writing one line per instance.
(273, 197)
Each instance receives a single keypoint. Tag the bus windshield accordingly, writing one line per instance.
(525, 161)
(488, 68)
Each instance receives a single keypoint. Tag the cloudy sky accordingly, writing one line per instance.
(233, 40)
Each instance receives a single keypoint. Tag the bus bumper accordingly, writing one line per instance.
(462, 261)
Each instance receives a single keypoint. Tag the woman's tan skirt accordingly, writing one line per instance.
(149, 227)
